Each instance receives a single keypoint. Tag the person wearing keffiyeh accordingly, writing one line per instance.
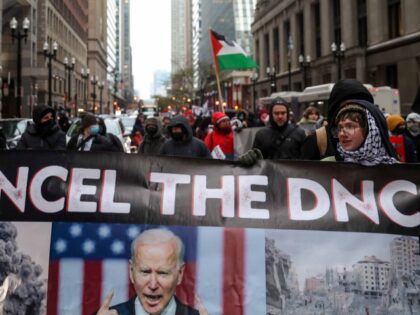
(360, 135)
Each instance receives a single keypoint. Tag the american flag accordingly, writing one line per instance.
(225, 267)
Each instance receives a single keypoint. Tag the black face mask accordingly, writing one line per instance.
(177, 136)
(46, 126)
(151, 130)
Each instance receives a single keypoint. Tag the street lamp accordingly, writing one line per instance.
(271, 72)
(289, 61)
(19, 35)
(254, 78)
(69, 67)
(101, 85)
(85, 77)
(338, 55)
(50, 55)
(305, 63)
(94, 82)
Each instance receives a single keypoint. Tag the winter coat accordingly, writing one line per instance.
(151, 144)
(225, 141)
(188, 147)
(35, 138)
(99, 143)
(276, 142)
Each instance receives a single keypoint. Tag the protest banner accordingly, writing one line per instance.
(282, 237)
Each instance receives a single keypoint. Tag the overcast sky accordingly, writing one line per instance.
(150, 41)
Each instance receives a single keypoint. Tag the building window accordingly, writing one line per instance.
(276, 46)
(394, 18)
(267, 49)
(337, 20)
(257, 52)
(391, 72)
(317, 28)
(362, 22)
(301, 34)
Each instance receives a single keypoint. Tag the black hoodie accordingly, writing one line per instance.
(38, 137)
(343, 90)
(189, 146)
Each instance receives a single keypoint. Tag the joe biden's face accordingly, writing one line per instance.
(155, 274)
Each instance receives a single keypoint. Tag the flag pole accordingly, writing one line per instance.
(216, 70)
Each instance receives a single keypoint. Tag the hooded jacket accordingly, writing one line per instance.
(276, 142)
(218, 138)
(189, 146)
(37, 137)
(380, 123)
(343, 90)
(151, 144)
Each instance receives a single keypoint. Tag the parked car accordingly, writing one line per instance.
(113, 125)
(13, 128)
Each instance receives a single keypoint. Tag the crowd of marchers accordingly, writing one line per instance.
(354, 130)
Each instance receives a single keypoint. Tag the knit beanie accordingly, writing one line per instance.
(350, 107)
(413, 117)
(394, 121)
(218, 117)
(87, 121)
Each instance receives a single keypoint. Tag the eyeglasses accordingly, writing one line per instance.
(348, 129)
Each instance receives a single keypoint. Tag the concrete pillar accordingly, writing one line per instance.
(410, 16)
(326, 27)
(377, 21)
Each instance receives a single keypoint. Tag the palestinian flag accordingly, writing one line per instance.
(228, 55)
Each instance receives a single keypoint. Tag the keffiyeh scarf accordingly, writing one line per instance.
(372, 152)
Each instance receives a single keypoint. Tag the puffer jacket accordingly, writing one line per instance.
(34, 138)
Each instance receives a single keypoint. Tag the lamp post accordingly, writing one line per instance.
(338, 53)
(94, 82)
(19, 35)
(305, 63)
(254, 79)
(101, 85)
(69, 67)
(50, 55)
(271, 73)
(289, 61)
(85, 76)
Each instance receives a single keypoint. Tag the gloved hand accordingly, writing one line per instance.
(250, 157)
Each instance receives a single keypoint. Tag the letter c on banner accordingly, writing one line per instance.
(35, 192)
(388, 207)
(294, 189)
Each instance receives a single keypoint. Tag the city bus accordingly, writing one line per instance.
(385, 97)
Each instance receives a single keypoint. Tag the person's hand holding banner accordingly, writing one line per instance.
(104, 309)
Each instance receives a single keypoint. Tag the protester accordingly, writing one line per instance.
(279, 140)
(156, 268)
(89, 137)
(309, 119)
(203, 127)
(153, 138)
(63, 119)
(182, 142)
(359, 134)
(318, 144)
(137, 132)
(413, 131)
(166, 120)
(220, 140)
(116, 143)
(402, 143)
(43, 133)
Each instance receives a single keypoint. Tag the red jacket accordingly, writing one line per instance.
(225, 141)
